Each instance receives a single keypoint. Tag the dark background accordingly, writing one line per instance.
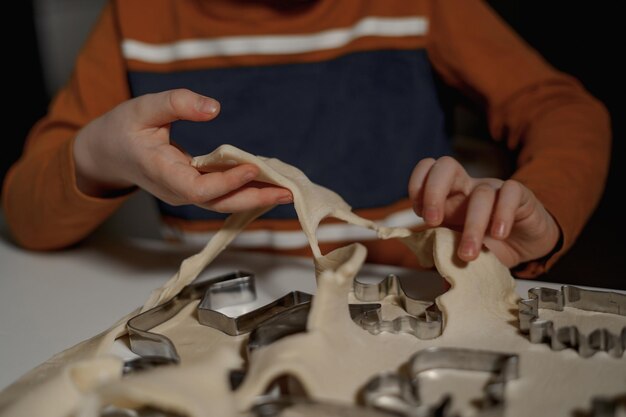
(584, 40)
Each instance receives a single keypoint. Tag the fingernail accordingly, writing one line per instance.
(498, 229)
(286, 199)
(249, 176)
(207, 105)
(467, 249)
(431, 214)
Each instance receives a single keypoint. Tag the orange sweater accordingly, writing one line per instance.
(561, 132)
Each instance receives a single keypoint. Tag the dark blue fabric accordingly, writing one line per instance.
(357, 124)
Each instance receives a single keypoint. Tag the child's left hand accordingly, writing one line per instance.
(505, 216)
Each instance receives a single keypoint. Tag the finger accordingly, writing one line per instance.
(509, 199)
(248, 198)
(445, 174)
(153, 110)
(477, 218)
(416, 183)
(196, 188)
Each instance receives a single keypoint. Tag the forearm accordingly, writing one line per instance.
(561, 132)
(42, 205)
(564, 161)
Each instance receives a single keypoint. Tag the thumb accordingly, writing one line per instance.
(159, 109)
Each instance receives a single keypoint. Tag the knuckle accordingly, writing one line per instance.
(470, 234)
(155, 165)
(414, 193)
(133, 106)
(194, 198)
(173, 99)
(418, 176)
(190, 194)
(448, 161)
(231, 179)
(432, 195)
(512, 185)
(425, 162)
(194, 195)
(484, 189)
(177, 98)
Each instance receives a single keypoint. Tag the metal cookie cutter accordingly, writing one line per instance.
(290, 406)
(287, 396)
(400, 393)
(226, 290)
(236, 325)
(286, 323)
(155, 346)
(543, 331)
(292, 321)
(424, 322)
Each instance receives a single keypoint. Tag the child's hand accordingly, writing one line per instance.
(130, 145)
(504, 215)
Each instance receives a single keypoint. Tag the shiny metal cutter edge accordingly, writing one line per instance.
(277, 407)
(245, 323)
(425, 320)
(153, 345)
(157, 349)
(294, 321)
(543, 331)
(400, 393)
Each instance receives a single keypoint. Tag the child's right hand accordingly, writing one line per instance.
(130, 145)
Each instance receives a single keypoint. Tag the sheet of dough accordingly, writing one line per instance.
(335, 357)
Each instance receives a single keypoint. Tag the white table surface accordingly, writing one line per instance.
(51, 301)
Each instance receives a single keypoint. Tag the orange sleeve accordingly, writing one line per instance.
(561, 132)
(42, 205)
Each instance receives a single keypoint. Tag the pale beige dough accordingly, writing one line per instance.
(335, 358)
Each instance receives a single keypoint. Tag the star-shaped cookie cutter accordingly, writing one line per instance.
(425, 320)
(544, 331)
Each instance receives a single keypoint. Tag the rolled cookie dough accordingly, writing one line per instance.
(335, 357)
